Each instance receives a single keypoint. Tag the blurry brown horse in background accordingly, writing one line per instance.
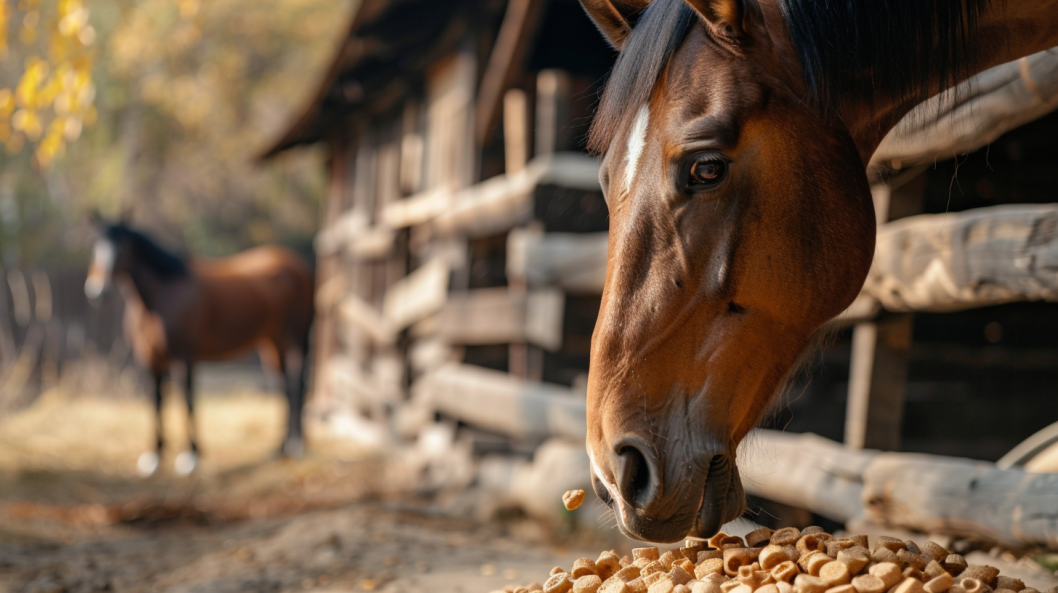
(735, 136)
(206, 310)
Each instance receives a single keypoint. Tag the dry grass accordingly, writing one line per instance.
(65, 432)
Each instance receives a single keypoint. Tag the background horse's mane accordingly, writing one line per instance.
(844, 46)
(162, 261)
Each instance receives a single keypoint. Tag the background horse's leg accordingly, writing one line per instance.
(148, 461)
(294, 379)
(187, 461)
(275, 367)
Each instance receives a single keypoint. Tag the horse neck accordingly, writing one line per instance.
(1008, 30)
(148, 284)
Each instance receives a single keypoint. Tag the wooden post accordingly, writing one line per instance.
(516, 130)
(553, 109)
(877, 380)
(324, 337)
(878, 369)
(519, 25)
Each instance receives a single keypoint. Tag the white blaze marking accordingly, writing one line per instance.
(636, 141)
(102, 264)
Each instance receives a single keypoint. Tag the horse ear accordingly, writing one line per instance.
(613, 17)
(723, 16)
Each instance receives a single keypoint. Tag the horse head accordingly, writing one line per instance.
(113, 253)
(106, 254)
(740, 221)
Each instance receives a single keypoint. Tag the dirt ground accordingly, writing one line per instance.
(75, 518)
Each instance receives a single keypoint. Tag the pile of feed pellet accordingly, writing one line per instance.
(785, 561)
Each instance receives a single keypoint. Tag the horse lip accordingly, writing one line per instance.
(713, 505)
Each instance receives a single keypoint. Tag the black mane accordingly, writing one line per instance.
(160, 260)
(868, 46)
(862, 46)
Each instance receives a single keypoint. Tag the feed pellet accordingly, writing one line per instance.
(573, 499)
(785, 561)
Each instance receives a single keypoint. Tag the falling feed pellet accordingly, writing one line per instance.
(573, 499)
(784, 561)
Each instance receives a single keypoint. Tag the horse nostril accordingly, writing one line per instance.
(637, 475)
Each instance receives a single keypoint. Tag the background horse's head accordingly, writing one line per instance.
(118, 251)
(109, 251)
(740, 221)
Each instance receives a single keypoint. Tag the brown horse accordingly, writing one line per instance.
(183, 312)
(735, 135)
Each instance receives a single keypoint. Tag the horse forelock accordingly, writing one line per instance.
(656, 36)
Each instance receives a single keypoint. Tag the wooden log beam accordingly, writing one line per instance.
(907, 490)
(503, 316)
(977, 258)
(576, 262)
(804, 471)
(931, 493)
(503, 202)
(496, 401)
(974, 114)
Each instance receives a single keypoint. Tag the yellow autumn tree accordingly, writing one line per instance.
(172, 100)
(52, 99)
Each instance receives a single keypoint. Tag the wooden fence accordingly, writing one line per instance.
(46, 322)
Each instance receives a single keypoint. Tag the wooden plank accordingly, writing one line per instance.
(921, 492)
(502, 316)
(504, 202)
(878, 369)
(356, 311)
(804, 471)
(877, 381)
(554, 129)
(938, 494)
(412, 148)
(494, 205)
(450, 154)
(515, 130)
(324, 338)
(573, 261)
(976, 258)
(976, 113)
(496, 401)
(417, 209)
(374, 243)
(519, 25)
(341, 232)
(417, 296)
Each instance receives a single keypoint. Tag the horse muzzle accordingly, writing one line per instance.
(695, 499)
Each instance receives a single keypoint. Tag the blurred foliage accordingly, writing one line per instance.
(52, 99)
(172, 100)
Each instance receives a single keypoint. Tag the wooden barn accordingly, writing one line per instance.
(462, 248)
(456, 131)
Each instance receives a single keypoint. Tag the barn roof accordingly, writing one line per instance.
(388, 42)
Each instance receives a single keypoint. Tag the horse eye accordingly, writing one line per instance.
(708, 172)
